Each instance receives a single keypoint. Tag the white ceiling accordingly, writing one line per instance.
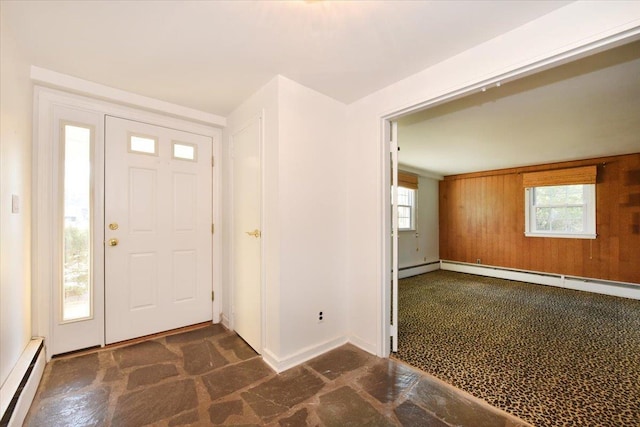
(586, 109)
(212, 55)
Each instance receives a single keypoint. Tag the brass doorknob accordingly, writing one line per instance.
(113, 242)
(255, 233)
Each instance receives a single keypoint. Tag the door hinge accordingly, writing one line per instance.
(213, 161)
(213, 228)
(213, 296)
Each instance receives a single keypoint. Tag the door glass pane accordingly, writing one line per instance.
(184, 151)
(76, 271)
(143, 144)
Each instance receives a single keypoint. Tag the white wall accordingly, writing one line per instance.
(313, 209)
(305, 218)
(560, 34)
(422, 245)
(15, 229)
(265, 103)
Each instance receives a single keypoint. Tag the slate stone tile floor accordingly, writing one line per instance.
(210, 376)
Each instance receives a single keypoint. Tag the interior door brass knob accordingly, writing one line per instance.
(113, 242)
(255, 233)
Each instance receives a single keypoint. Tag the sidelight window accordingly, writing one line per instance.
(76, 229)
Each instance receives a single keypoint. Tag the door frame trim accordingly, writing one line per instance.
(44, 164)
(64, 82)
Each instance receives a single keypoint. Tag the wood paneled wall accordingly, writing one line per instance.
(482, 217)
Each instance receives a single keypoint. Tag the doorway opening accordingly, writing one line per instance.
(533, 104)
(443, 136)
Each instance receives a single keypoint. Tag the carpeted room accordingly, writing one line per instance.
(551, 356)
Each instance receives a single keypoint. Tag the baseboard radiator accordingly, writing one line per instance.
(19, 389)
(414, 270)
(606, 287)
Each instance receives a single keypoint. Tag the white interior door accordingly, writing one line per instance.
(158, 229)
(247, 247)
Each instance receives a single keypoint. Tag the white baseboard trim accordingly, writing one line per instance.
(225, 321)
(18, 391)
(308, 353)
(605, 287)
(270, 359)
(403, 273)
(363, 345)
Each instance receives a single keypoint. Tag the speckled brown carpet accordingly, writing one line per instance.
(551, 356)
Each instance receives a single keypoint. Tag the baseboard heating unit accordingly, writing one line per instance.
(605, 287)
(19, 389)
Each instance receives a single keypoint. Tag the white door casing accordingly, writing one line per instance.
(394, 242)
(246, 232)
(158, 231)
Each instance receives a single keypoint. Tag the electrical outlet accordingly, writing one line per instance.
(478, 261)
(320, 317)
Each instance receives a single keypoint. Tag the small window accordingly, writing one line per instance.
(143, 144)
(567, 211)
(77, 284)
(406, 208)
(185, 151)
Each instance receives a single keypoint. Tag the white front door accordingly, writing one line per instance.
(247, 246)
(158, 236)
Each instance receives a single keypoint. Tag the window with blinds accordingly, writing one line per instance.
(407, 192)
(561, 203)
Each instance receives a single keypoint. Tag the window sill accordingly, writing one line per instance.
(562, 236)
